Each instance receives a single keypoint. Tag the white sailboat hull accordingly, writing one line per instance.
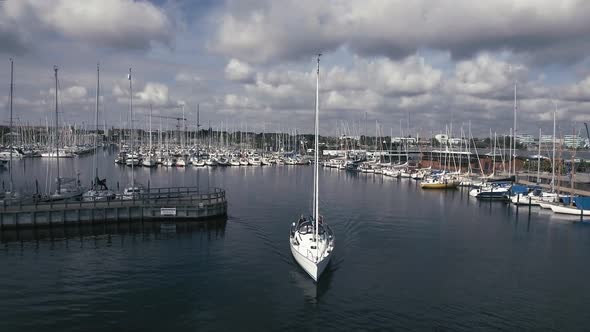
(569, 210)
(149, 162)
(314, 270)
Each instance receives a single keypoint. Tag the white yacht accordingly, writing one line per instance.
(149, 161)
(311, 240)
(255, 161)
(132, 192)
(62, 153)
(180, 162)
(169, 162)
(132, 159)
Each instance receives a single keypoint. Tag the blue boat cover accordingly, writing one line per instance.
(582, 203)
(519, 189)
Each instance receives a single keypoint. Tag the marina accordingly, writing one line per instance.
(386, 239)
(294, 166)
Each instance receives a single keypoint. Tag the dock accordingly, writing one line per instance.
(562, 189)
(156, 204)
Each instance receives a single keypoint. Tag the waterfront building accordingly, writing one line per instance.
(525, 139)
(573, 141)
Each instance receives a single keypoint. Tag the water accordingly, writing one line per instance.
(405, 259)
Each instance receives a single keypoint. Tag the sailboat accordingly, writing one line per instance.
(6, 157)
(134, 191)
(149, 159)
(99, 190)
(67, 188)
(311, 239)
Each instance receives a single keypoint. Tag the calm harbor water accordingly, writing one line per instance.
(405, 259)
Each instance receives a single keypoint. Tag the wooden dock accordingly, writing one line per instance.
(174, 204)
(562, 189)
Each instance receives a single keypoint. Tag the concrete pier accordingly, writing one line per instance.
(178, 204)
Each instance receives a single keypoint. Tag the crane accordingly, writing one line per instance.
(178, 126)
(587, 132)
(178, 119)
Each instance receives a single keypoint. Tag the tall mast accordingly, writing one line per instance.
(96, 122)
(10, 132)
(553, 161)
(150, 131)
(183, 138)
(316, 152)
(513, 155)
(539, 159)
(131, 126)
(56, 137)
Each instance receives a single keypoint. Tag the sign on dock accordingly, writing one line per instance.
(168, 212)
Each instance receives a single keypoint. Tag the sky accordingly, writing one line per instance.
(390, 66)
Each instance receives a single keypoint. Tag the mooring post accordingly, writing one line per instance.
(530, 201)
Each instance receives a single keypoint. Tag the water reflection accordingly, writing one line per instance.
(214, 229)
(312, 292)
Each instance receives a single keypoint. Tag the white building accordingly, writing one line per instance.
(405, 140)
(525, 139)
(350, 138)
(442, 139)
(546, 139)
(573, 141)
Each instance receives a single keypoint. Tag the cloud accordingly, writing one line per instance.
(119, 24)
(153, 93)
(367, 85)
(187, 77)
(262, 31)
(70, 95)
(239, 71)
(479, 90)
(579, 91)
(488, 76)
(233, 101)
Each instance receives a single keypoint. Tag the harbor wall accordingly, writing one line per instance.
(176, 204)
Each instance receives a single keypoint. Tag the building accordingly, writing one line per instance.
(350, 138)
(457, 141)
(546, 139)
(403, 140)
(442, 139)
(573, 141)
(525, 139)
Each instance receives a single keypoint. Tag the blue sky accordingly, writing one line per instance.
(252, 62)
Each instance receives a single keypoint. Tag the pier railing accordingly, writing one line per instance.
(151, 196)
(178, 203)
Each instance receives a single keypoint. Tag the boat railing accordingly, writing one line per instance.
(329, 231)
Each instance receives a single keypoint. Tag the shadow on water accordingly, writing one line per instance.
(312, 291)
(213, 228)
